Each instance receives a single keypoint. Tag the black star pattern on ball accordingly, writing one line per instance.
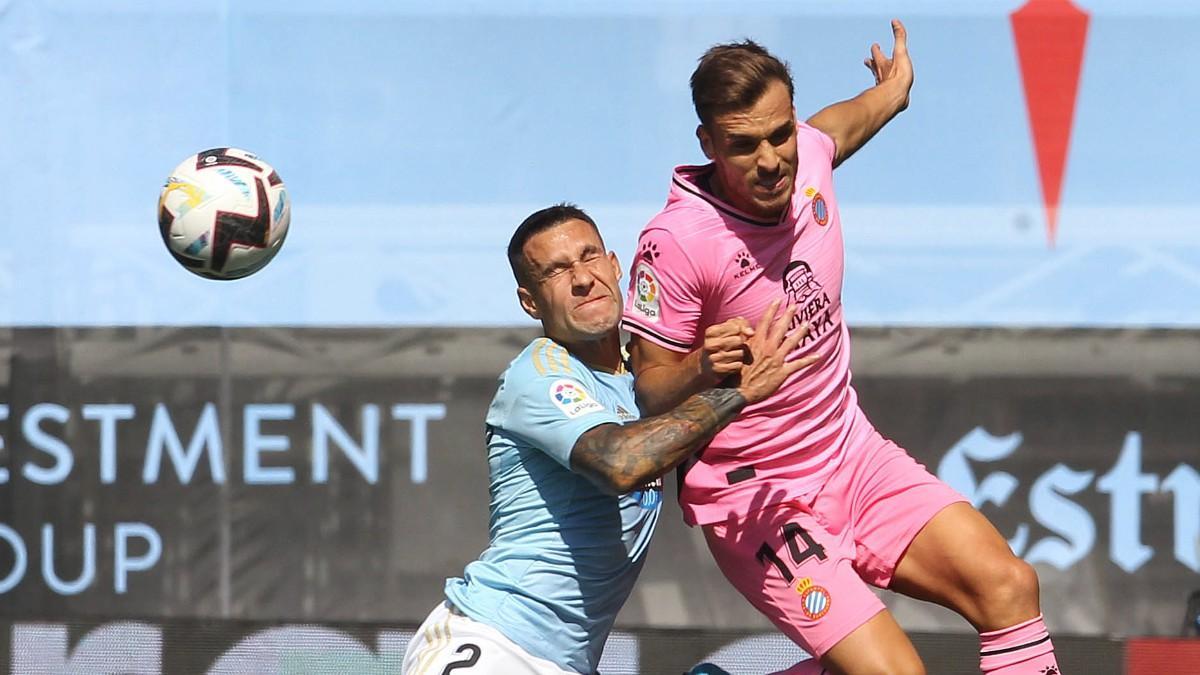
(235, 228)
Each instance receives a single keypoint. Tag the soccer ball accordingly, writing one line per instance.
(223, 213)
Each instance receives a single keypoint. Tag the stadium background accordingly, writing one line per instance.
(275, 475)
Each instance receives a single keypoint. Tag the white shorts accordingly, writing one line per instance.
(449, 643)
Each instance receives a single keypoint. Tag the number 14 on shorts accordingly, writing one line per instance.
(815, 598)
(793, 536)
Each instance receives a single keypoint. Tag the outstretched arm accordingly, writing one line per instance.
(619, 458)
(852, 123)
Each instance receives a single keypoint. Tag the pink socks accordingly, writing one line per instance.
(1023, 649)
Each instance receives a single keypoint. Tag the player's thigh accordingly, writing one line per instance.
(959, 560)
(886, 498)
(452, 644)
(917, 536)
(795, 572)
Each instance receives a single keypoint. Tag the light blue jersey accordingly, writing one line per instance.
(563, 555)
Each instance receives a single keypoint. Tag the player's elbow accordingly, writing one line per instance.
(610, 456)
(651, 400)
(624, 483)
(611, 483)
(616, 480)
(608, 478)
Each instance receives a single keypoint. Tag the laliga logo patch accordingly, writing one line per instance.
(814, 600)
(646, 292)
(572, 399)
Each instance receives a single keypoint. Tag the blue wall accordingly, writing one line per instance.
(413, 140)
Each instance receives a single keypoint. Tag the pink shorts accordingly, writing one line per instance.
(806, 564)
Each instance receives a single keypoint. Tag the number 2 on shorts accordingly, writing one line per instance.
(463, 663)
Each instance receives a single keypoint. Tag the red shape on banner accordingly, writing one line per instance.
(1162, 656)
(1050, 36)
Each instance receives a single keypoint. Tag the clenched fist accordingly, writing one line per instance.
(724, 350)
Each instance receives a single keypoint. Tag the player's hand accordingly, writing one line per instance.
(724, 350)
(769, 348)
(897, 70)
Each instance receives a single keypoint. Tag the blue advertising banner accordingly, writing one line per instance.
(1023, 186)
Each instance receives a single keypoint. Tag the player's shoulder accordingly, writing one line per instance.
(681, 223)
(811, 139)
(681, 239)
(542, 378)
(681, 219)
(689, 209)
(542, 359)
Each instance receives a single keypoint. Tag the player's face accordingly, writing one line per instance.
(575, 286)
(755, 153)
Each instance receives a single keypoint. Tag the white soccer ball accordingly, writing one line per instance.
(224, 213)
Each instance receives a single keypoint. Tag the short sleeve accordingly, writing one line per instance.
(817, 140)
(551, 412)
(665, 300)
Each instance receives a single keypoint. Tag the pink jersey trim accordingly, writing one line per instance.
(660, 340)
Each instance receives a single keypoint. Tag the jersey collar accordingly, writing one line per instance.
(694, 180)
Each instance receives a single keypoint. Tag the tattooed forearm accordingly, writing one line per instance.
(621, 457)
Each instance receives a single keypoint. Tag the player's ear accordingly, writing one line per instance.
(612, 259)
(528, 303)
(706, 143)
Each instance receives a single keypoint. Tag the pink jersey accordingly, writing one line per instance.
(701, 262)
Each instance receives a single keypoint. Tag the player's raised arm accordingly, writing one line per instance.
(618, 458)
(853, 122)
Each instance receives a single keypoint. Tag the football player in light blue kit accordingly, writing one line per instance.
(572, 503)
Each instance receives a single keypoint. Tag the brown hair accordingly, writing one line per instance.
(540, 221)
(733, 76)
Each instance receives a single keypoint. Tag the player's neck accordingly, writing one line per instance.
(603, 354)
(713, 185)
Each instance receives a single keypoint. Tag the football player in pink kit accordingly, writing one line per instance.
(802, 502)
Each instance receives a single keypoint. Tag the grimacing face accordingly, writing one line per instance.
(754, 150)
(574, 285)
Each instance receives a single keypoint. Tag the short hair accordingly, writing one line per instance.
(537, 222)
(733, 76)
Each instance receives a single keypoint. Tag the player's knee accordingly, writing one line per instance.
(909, 664)
(1011, 586)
